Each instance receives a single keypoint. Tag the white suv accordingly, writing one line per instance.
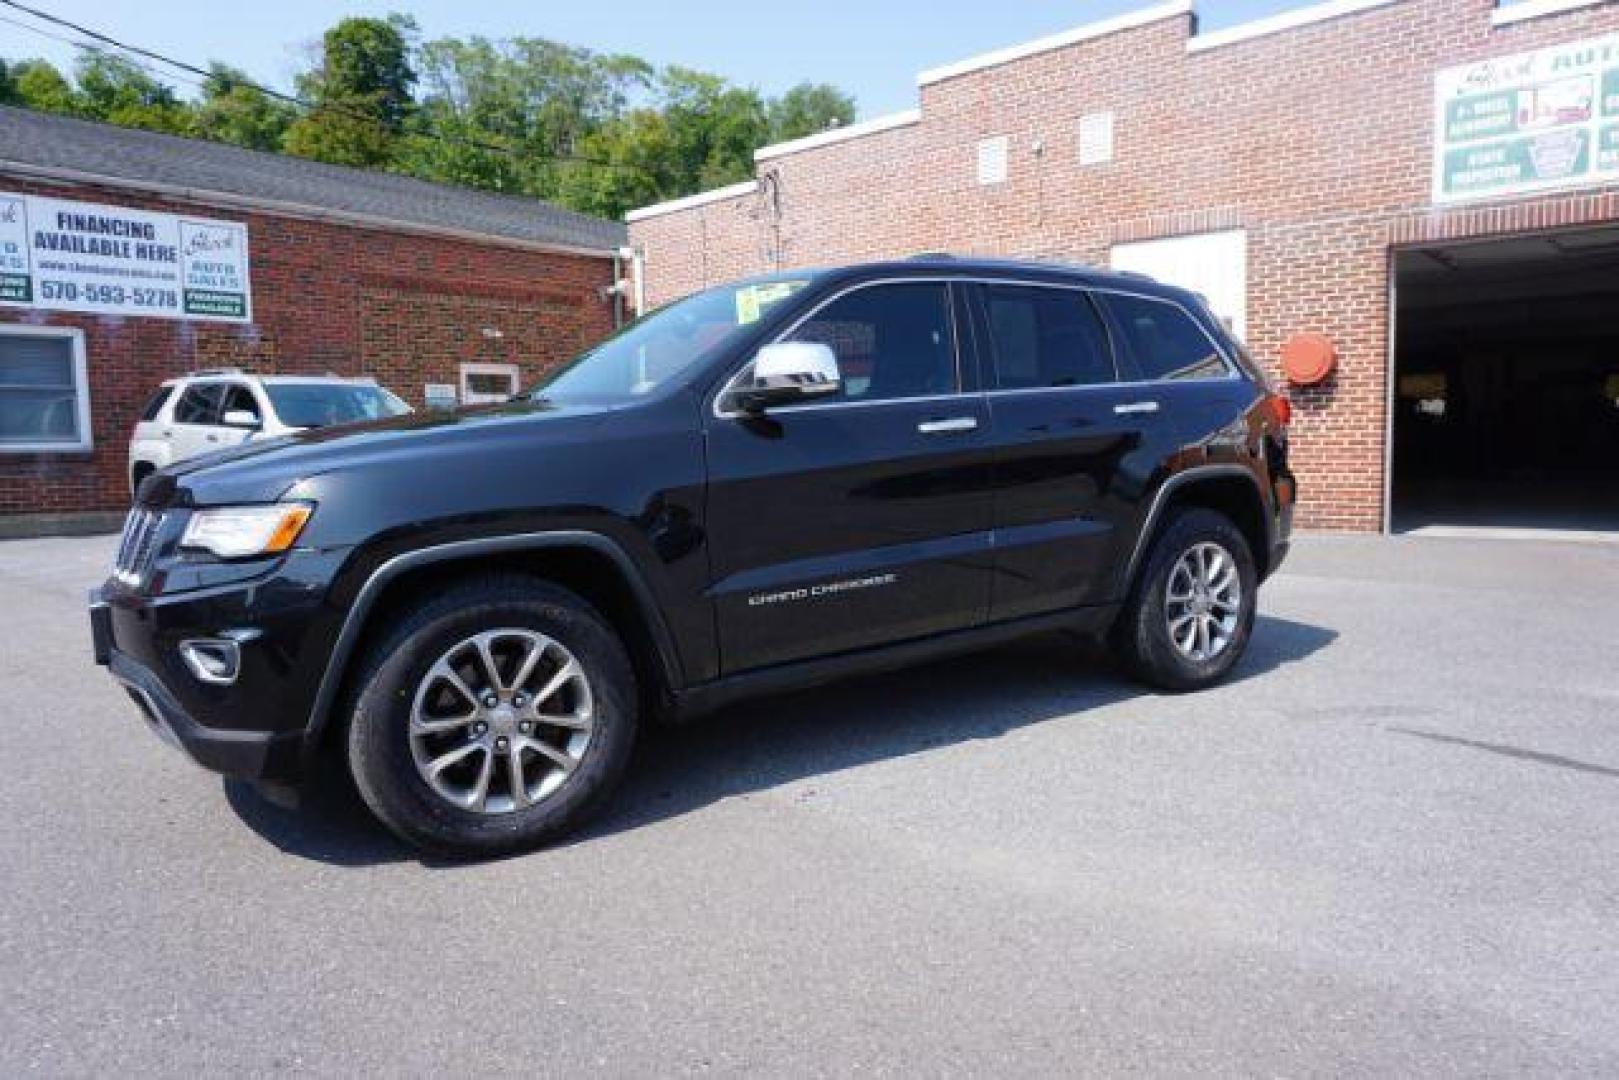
(210, 410)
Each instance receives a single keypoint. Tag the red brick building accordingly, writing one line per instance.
(1432, 186)
(128, 257)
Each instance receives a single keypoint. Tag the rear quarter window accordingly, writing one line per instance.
(1164, 341)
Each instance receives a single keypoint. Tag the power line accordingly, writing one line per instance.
(98, 51)
(211, 77)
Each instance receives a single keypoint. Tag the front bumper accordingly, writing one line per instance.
(256, 728)
(252, 755)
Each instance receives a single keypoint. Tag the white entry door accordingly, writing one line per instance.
(1214, 264)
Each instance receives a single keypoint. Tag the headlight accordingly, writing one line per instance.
(233, 532)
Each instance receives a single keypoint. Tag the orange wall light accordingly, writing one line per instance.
(1308, 359)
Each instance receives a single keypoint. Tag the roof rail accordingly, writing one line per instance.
(920, 255)
(214, 371)
(1137, 274)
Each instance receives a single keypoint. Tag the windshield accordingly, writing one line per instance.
(310, 405)
(652, 350)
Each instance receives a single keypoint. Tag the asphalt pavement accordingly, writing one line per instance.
(1389, 845)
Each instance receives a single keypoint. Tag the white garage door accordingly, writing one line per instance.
(1214, 264)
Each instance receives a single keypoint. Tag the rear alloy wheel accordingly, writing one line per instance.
(497, 716)
(1191, 611)
(1203, 601)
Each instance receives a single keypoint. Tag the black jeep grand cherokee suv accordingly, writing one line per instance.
(765, 485)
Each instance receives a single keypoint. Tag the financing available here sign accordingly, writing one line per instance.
(111, 260)
(1530, 122)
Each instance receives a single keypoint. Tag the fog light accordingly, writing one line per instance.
(212, 660)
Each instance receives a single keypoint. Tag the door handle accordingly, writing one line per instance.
(1134, 407)
(213, 438)
(945, 427)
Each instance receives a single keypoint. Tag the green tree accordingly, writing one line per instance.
(715, 127)
(234, 110)
(116, 91)
(361, 90)
(807, 109)
(506, 112)
(639, 165)
(597, 132)
(40, 86)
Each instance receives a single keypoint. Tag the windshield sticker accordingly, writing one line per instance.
(753, 300)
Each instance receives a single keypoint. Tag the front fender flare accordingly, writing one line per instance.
(354, 622)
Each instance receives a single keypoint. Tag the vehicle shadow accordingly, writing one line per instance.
(758, 745)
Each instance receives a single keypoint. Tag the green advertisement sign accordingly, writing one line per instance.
(16, 284)
(215, 304)
(1608, 149)
(1530, 122)
(1486, 114)
(1517, 163)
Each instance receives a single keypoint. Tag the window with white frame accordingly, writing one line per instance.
(44, 391)
(482, 384)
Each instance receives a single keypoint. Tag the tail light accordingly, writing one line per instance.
(1282, 409)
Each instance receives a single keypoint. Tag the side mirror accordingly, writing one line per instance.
(788, 373)
(241, 418)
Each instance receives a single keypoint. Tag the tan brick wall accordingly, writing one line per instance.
(1315, 140)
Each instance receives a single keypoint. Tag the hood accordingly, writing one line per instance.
(265, 470)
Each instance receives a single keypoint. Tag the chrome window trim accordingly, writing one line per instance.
(1132, 384)
(1232, 370)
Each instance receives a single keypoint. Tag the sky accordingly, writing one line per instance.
(870, 48)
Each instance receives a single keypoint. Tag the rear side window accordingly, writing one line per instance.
(199, 404)
(891, 341)
(1045, 338)
(1164, 341)
(155, 403)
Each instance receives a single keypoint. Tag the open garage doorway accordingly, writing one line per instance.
(1506, 385)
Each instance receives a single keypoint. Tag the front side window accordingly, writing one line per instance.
(891, 341)
(199, 404)
(1164, 340)
(44, 402)
(1045, 338)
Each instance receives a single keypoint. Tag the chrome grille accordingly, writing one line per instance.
(136, 546)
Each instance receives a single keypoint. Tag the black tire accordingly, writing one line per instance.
(379, 744)
(1141, 637)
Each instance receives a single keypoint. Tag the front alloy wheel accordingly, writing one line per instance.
(498, 714)
(501, 720)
